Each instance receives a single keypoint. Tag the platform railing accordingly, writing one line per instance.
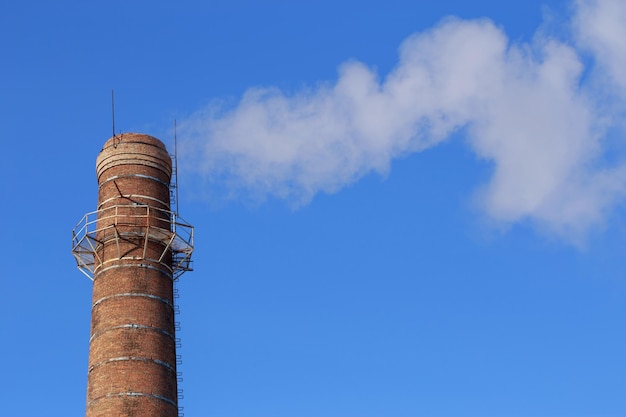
(139, 223)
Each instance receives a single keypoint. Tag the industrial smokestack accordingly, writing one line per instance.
(133, 247)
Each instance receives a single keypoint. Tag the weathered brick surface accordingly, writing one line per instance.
(145, 191)
(131, 407)
(136, 376)
(131, 310)
(138, 279)
(132, 357)
(132, 342)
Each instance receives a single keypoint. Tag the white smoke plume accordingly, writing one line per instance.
(532, 110)
(599, 26)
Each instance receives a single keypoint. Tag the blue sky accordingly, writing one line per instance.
(397, 213)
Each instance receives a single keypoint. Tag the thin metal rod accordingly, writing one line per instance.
(176, 165)
(113, 110)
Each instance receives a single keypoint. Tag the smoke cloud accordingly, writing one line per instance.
(536, 111)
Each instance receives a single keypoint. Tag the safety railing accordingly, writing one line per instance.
(137, 223)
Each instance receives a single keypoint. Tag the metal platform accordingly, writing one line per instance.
(133, 223)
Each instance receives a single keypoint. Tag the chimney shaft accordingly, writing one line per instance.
(132, 250)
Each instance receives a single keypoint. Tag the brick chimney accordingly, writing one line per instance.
(133, 247)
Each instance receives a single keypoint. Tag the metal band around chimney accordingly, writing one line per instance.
(133, 358)
(130, 197)
(142, 176)
(133, 394)
(133, 326)
(165, 272)
(133, 294)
